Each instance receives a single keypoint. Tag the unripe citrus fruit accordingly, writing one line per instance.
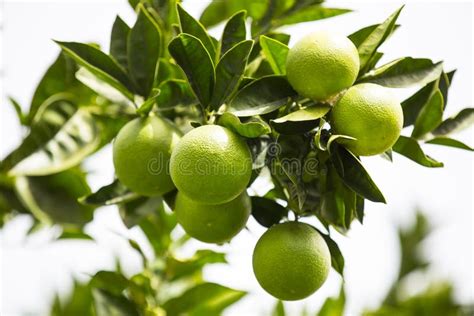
(212, 223)
(142, 150)
(371, 114)
(322, 64)
(211, 165)
(291, 261)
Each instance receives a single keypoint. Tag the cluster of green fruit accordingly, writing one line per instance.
(211, 166)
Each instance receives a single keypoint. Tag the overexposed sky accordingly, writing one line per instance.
(32, 269)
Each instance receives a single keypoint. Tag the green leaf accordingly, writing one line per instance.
(413, 105)
(334, 306)
(449, 142)
(234, 32)
(79, 302)
(255, 127)
(145, 108)
(361, 35)
(118, 42)
(461, 121)
(218, 11)
(337, 259)
(279, 309)
(174, 92)
(98, 63)
(193, 27)
(262, 96)
(176, 269)
(354, 175)
(300, 121)
(107, 304)
(144, 48)
(60, 77)
(377, 36)
(430, 115)
(105, 89)
(22, 118)
(310, 13)
(110, 281)
(410, 148)
(193, 58)
(155, 222)
(404, 72)
(208, 299)
(267, 212)
(113, 193)
(229, 72)
(74, 233)
(53, 198)
(275, 52)
(61, 137)
(309, 113)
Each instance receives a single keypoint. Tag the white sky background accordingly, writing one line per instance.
(32, 269)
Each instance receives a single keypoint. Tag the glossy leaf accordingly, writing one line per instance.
(457, 123)
(337, 259)
(229, 72)
(113, 193)
(78, 302)
(251, 129)
(413, 105)
(261, 96)
(60, 138)
(267, 212)
(60, 77)
(361, 35)
(334, 306)
(310, 13)
(275, 52)
(279, 309)
(309, 113)
(179, 268)
(449, 142)
(144, 48)
(53, 198)
(74, 233)
(98, 63)
(377, 36)
(410, 148)
(118, 42)
(193, 58)
(193, 27)
(218, 11)
(404, 72)
(105, 89)
(203, 299)
(354, 175)
(110, 281)
(174, 92)
(107, 304)
(22, 117)
(430, 115)
(234, 32)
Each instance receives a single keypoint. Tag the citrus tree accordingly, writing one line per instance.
(194, 121)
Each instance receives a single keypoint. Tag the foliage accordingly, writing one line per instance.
(168, 64)
(167, 285)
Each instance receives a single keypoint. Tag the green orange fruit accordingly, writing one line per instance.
(322, 64)
(211, 165)
(291, 261)
(372, 115)
(217, 223)
(141, 155)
